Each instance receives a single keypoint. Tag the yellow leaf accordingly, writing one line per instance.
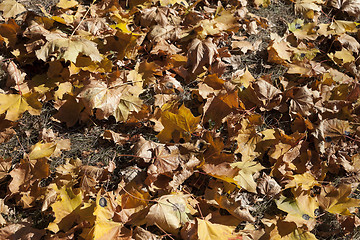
(305, 180)
(210, 231)
(167, 2)
(104, 210)
(298, 234)
(65, 208)
(11, 8)
(41, 150)
(65, 4)
(106, 230)
(69, 50)
(15, 104)
(301, 210)
(336, 201)
(247, 139)
(178, 125)
(342, 57)
(244, 177)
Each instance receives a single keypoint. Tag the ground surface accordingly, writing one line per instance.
(223, 126)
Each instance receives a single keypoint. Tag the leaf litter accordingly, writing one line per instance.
(174, 119)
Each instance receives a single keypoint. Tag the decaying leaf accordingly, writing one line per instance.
(170, 212)
(118, 100)
(200, 54)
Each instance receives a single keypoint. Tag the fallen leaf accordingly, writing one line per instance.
(352, 7)
(208, 231)
(245, 176)
(65, 4)
(200, 54)
(67, 209)
(336, 200)
(170, 212)
(21, 231)
(116, 99)
(16, 104)
(178, 124)
(11, 8)
(69, 50)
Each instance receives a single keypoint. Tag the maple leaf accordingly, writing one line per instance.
(268, 95)
(5, 165)
(308, 7)
(116, 99)
(279, 50)
(156, 15)
(104, 227)
(302, 101)
(21, 230)
(65, 4)
(26, 177)
(352, 7)
(166, 161)
(69, 208)
(117, 138)
(306, 181)
(167, 2)
(301, 210)
(207, 231)
(247, 139)
(11, 8)
(15, 104)
(268, 186)
(170, 212)
(220, 106)
(8, 33)
(68, 49)
(336, 200)
(245, 176)
(201, 53)
(178, 124)
(342, 57)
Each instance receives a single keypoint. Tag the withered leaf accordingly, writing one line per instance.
(200, 54)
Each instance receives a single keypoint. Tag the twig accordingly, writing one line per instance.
(82, 19)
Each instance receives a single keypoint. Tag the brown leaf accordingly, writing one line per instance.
(302, 101)
(268, 186)
(352, 7)
(142, 234)
(21, 231)
(5, 165)
(116, 99)
(117, 138)
(268, 95)
(156, 15)
(200, 54)
(167, 160)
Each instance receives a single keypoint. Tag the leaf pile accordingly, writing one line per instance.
(237, 154)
